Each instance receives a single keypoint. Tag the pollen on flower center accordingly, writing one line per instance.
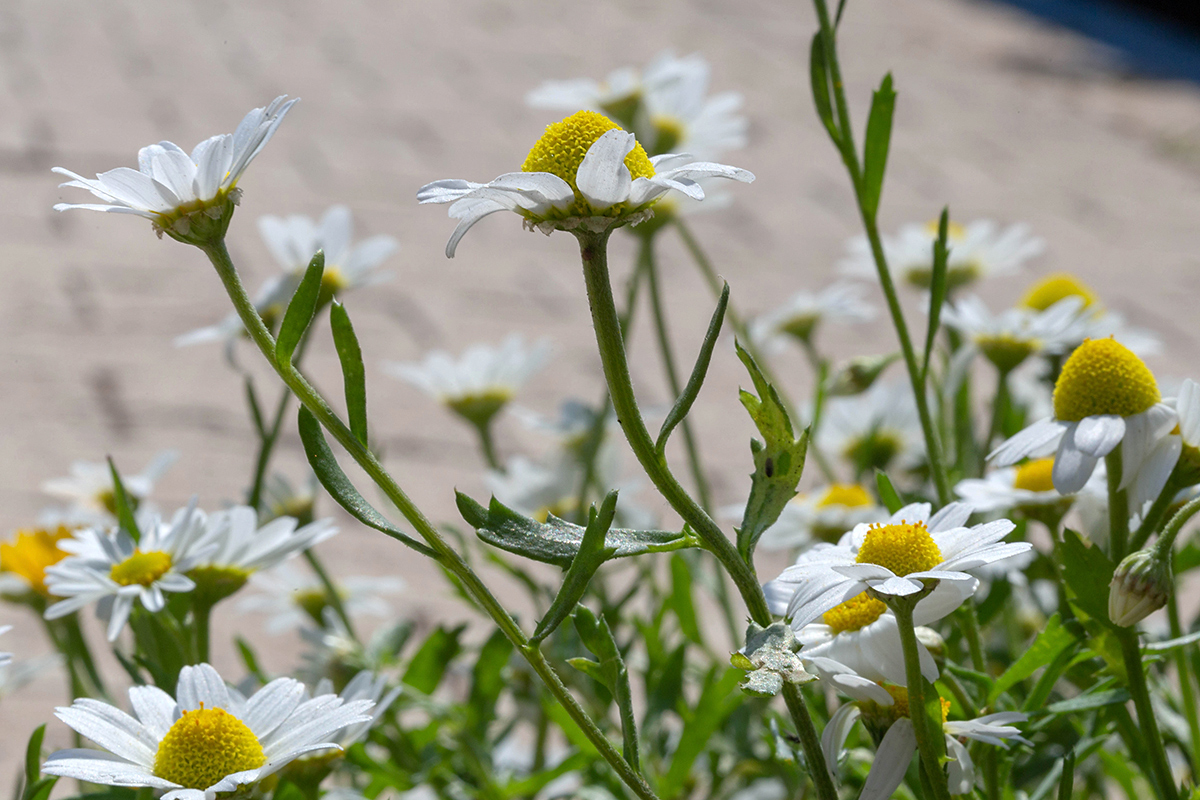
(1103, 376)
(904, 549)
(845, 494)
(204, 746)
(1049, 290)
(1035, 476)
(562, 147)
(857, 612)
(141, 568)
(30, 553)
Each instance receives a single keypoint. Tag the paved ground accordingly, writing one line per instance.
(997, 115)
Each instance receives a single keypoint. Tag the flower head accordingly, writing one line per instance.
(799, 317)
(205, 741)
(585, 172)
(876, 429)
(1007, 339)
(294, 600)
(23, 561)
(92, 495)
(1023, 486)
(824, 514)
(188, 197)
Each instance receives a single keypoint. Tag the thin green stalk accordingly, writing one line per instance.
(1166, 541)
(593, 250)
(820, 370)
(332, 595)
(1135, 671)
(1184, 674)
(1154, 517)
(266, 448)
(970, 619)
(201, 623)
(1118, 508)
(646, 254)
(850, 157)
(923, 726)
(446, 555)
(999, 409)
(487, 445)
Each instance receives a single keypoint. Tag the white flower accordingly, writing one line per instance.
(584, 172)
(797, 318)
(366, 685)
(294, 600)
(243, 546)
(1011, 487)
(876, 428)
(1098, 322)
(1104, 397)
(979, 250)
(270, 302)
(184, 194)
(894, 559)
(5, 657)
(90, 490)
(206, 740)
(1010, 337)
(823, 514)
(113, 570)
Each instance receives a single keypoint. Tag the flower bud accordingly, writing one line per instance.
(858, 374)
(1140, 585)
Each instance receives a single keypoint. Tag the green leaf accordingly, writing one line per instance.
(688, 396)
(681, 601)
(124, 507)
(718, 700)
(937, 286)
(39, 789)
(1170, 644)
(250, 660)
(1066, 784)
(875, 148)
(330, 474)
(887, 493)
(432, 659)
(609, 671)
(556, 541)
(33, 756)
(1087, 701)
(1087, 571)
(1054, 639)
(591, 554)
(778, 464)
(300, 310)
(353, 376)
(821, 89)
(487, 681)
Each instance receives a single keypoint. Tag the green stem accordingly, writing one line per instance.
(923, 726)
(971, 631)
(266, 447)
(487, 445)
(593, 250)
(1118, 508)
(850, 157)
(332, 595)
(1184, 675)
(1166, 541)
(1156, 514)
(999, 408)
(201, 620)
(1141, 700)
(820, 370)
(447, 556)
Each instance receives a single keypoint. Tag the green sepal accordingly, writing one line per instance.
(353, 374)
(778, 464)
(557, 541)
(875, 148)
(688, 396)
(300, 310)
(122, 505)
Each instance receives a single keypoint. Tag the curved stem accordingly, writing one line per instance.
(1156, 514)
(926, 745)
(1118, 508)
(1166, 541)
(1145, 711)
(446, 555)
(593, 250)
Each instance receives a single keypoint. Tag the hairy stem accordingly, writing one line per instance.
(923, 726)
(1159, 765)
(1118, 508)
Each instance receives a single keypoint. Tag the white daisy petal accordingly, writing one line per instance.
(1097, 436)
(892, 758)
(1072, 467)
(471, 210)
(110, 728)
(1038, 439)
(201, 684)
(833, 738)
(154, 707)
(960, 771)
(603, 179)
(102, 768)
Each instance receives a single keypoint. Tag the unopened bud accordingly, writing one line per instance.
(857, 375)
(1140, 585)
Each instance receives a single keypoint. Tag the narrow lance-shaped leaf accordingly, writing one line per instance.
(255, 409)
(33, 756)
(778, 460)
(122, 504)
(591, 554)
(821, 90)
(330, 474)
(887, 493)
(300, 310)
(1066, 783)
(1049, 644)
(353, 376)
(938, 286)
(610, 672)
(875, 148)
(688, 396)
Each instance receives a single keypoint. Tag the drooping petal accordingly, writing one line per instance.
(602, 178)
(470, 211)
(891, 761)
(446, 191)
(1039, 439)
(1098, 435)
(1072, 467)
(837, 730)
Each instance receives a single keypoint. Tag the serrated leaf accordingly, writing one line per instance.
(688, 396)
(123, 507)
(1054, 639)
(1087, 571)
(353, 375)
(875, 147)
(887, 492)
(938, 286)
(556, 541)
(821, 90)
(300, 310)
(330, 474)
(778, 460)
(610, 671)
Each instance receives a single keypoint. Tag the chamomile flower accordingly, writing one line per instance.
(1104, 397)
(294, 600)
(478, 383)
(1024, 486)
(91, 493)
(799, 317)
(875, 429)
(188, 197)
(366, 685)
(895, 559)
(821, 515)
(113, 570)
(204, 741)
(24, 559)
(585, 172)
(1008, 338)
(978, 250)
(1095, 321)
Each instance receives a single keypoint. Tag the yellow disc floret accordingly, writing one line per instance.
(141, 568)
(900, 708)
(857, 612)
(904, 549)
(845, 494)
(1103, 376)
(204, 746)
(1035, 476)
(30, 553)
(1052, 288)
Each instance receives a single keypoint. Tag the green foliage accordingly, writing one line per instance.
(300, 310)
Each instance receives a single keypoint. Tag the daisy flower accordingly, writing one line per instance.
(874, 429)
(898, 743)
(90, 490)
(1095, 322)
(1024, 486)
(188, 197)
(584, 172)
(978, 250)
(481, 381)
(113, 570)
(1105, 396)
(895, 559)
(800, 316)
(23, 561)
(1012, 336)
(368, 686)
(824, 514)
(206, 740)
(294, 600)
(270, 302)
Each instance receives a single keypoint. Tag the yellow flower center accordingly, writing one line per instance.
(204, 746)
(857, 612)
(30, 553)
(562, 147)
(141, 568)
(1049, 290)
(954, 230)
(1005, 350)
(333, 280)
(1103, 376)
(1035, 476)
(845, 494)
(904, 549)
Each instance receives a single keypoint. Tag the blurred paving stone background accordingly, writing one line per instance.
(998, 115)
